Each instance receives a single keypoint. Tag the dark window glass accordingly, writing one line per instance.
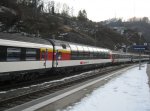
(64, 46)
(13, 54)
(30, 54)
(74, 52)
(80, 52)
(74, 55)
(37, 54)
(3, 53)
(108, 56)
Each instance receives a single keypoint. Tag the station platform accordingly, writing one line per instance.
(68, 96)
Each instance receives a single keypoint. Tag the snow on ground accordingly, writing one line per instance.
(128, 92)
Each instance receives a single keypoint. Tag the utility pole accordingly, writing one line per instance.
(96, 26)
(95, 38)
(140, 34)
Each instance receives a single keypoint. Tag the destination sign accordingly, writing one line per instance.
(139, 47)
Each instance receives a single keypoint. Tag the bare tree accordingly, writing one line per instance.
(82, 15)
(65, 10)
(50, 7)
(72, 11)
(58, 7)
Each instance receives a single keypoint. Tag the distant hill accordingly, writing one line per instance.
(141, 27)
(136, 24)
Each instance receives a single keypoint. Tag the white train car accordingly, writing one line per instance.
(121, 57)
(24, 54)
(69, 54)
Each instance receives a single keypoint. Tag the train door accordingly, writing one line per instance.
(44, 56)
(58, 57)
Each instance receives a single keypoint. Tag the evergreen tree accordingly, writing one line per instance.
(82, 15)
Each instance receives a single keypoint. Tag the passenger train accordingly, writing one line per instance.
(21, 55)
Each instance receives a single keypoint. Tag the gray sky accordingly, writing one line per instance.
(98, 10)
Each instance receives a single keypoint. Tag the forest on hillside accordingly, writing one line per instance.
(32, 16)
(35, 19)
(136, 24)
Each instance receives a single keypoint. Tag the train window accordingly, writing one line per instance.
(37, 54)
(64, 46)
(13, 54)
(103, 55)
(80, 48)
(73, 48)
(107, 55)
(86, 52)
(80, 52)
(3, 53)
(97, 56)
(95, 50)
(91, 52)
(74, 52)
(86, 49)
(95, 53)
(91, 49)
(98, 53)
(30, 54)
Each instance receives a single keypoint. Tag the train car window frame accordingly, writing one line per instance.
(31, 54)
(3, 53)
(86, 52)
(98, 53)
(64, 46)
(80, 51)
(91, 52)
(38, 54)
(74, 52)
(13, 54)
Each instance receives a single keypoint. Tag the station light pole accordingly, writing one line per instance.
(96, 26)
(140, 34)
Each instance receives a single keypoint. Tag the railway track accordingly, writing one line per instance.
(14, 97)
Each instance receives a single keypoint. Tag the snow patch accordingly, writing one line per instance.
(128, 92)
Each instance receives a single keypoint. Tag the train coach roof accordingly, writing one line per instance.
(121, 53)
(19, 37)
(58, 42)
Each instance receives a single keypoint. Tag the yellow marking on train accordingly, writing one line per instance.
(63, 51)
(44, 49)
